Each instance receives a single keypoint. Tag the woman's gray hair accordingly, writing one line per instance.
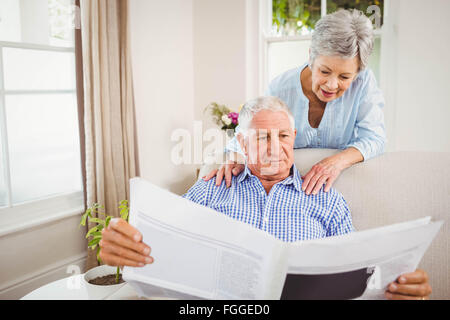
(344, 33)
(252, 107)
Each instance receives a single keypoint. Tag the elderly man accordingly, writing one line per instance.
(267, 195)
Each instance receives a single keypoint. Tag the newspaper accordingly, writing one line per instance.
(202, 254)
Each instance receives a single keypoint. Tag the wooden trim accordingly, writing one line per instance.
(80, 101)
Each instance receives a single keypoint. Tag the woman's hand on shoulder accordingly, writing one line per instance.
(226, 170)
(328, 170)
(324, 172)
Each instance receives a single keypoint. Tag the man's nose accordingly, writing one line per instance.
(273, 147)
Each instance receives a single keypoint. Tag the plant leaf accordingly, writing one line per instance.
(92, 230)
(94, 242)
(98, 255)
(124, 214)
(108, 219)
(97, 220)
(84, 217)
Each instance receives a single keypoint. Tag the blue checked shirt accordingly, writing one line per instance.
(286, 212)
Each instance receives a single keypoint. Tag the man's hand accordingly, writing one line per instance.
(410, 286)
(122, 245)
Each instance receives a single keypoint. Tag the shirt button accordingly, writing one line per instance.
(266, 219)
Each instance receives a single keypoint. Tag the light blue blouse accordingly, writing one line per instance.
(355, 119)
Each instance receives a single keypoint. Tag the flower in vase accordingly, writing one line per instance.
(226, 120)
(234, 116)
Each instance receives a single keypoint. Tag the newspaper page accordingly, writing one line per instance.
(357, 265)
(200, 253)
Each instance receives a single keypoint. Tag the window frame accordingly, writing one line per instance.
(265, 27)
(16, 217)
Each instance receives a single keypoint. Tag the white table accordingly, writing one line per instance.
(73, 288)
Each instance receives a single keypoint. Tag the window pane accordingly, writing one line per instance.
(374, 60)
(3, 200)
(286, 55)
(43, 145)
(38, 70)
(333, 5)
(10, 20)
(62, 22)
(294, 17)
(48, 22)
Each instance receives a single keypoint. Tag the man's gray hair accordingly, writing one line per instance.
(344, 33)
(252, 107)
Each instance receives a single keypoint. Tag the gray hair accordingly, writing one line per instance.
(344, 33)
(252, 107)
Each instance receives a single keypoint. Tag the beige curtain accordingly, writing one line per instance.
(111, 154)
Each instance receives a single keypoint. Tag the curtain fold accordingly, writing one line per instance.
(109, 117)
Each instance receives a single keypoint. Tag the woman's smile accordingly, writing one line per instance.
(327, 94)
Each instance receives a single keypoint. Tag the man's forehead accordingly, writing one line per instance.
(268, 120)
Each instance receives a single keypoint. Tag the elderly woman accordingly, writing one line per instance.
(334, 98)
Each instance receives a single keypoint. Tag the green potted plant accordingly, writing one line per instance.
(103, 279)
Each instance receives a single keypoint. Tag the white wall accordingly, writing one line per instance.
(185, 54)
(416, 75)
(219, 53)
(34, 257)
(163, 75)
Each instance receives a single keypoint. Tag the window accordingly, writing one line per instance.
(289, 26)
(39, 135)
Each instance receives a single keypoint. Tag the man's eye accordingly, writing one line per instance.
(284, 135)
(345, 78)
(325, 72)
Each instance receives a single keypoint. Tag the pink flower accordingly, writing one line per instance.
(234, 117)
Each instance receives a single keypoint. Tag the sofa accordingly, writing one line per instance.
(392, 188)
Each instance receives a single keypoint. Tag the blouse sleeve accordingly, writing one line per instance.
(233, 145)
(369, 135)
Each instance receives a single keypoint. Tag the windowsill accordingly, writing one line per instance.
(37, 213)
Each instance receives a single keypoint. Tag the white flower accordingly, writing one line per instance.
(226, 120)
